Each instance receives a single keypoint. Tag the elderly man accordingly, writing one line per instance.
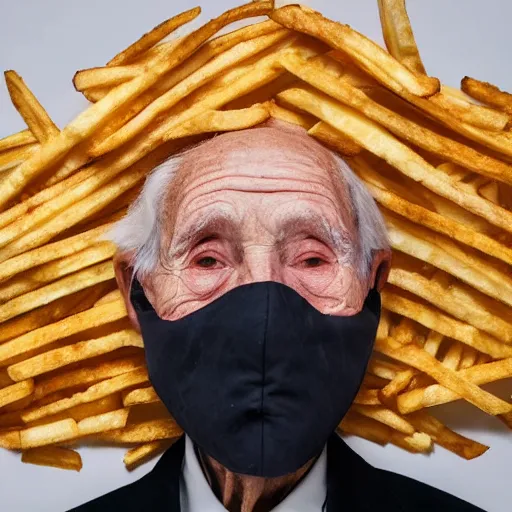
(252, 265)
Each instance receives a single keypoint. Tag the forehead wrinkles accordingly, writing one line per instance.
(279, 146)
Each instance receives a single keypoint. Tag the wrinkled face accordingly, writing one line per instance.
(264, 207)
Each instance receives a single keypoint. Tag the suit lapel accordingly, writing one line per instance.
(353, 484)
(166, 477)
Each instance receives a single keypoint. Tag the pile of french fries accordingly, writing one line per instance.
(438, 163)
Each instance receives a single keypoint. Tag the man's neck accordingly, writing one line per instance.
(243, 493)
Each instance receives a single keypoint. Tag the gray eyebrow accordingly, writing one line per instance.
(311, 222)
(201, 228)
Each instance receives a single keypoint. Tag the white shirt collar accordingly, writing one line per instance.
(197, 496)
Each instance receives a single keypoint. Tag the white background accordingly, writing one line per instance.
(46, 41)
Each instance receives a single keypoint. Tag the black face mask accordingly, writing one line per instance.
(259, 379)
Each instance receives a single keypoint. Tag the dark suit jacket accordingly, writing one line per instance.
(353, 485)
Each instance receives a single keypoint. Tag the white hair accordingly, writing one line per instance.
(369, 222)
(140, 230)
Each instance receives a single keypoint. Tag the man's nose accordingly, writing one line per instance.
(261, 264)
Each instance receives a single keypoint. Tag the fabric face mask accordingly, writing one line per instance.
(259, 379)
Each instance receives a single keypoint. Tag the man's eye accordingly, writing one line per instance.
(206, 262)
(313, 262)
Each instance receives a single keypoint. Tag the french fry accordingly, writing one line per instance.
(433, 342)
(149, 39)
(400, 42)
(453, 356)
(144, 432)
(398, 34)
(98, 114)
(487, 93)
(437, 394)
(384, 369)
(134, 457)
(387, 395)
(95, 178)
(205, 53)
(476, 115)
(226, 41)
(458, 299)
(52, 252)
(223, 120)
(335, 139)
(407, 305)
(86, 375)
(54, 270)
(460, 445)
(18, 405)
(365, 427)
(101, 406)
(5, 380)
(419, 359)
(112, 212)
(483, 358)
(108, 77)
(16, 140)
(148, 412)
(189, 44)
(26, 104)
(289, 116)
(53, 456)
(15, 392)
(76, 160)
(209, 71)
(14, 213)
(367, 397)
(112, 296)
(498, 141)
(11, 420)
(339, 65)
(405, 332)
(371, 381)
(386, 416)
(10, 440)
(441, 252)
(384, 324)
(315, 74)
(469, 356)
(73, 214)
(199, 101)
(365, 53)
(209, 50)
(140, 396)
(65, 286)
(95, 94)
(103, 422)
(47, 421)
(13, 157)
(80, 351)
(93, 393)
(364, 132)
(53, 312)
(51, 433)
(419, 442)
(387, 194)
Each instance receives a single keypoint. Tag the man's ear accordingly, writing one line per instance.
(381, 265)
(124, 270)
